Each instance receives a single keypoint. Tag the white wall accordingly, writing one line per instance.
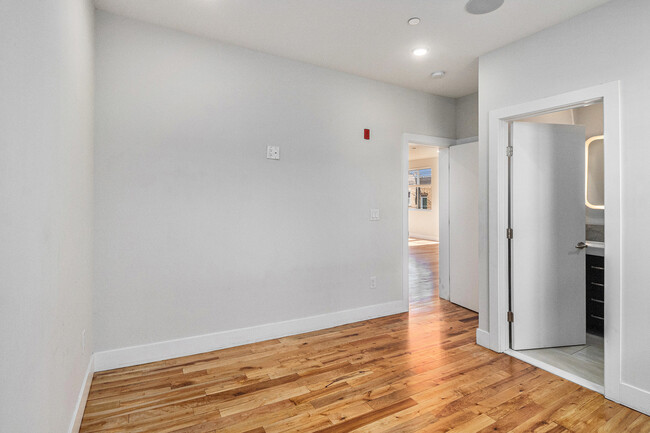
(46, 113)
(467, 116)
(424, 223)
(603, 45)
(196, 232)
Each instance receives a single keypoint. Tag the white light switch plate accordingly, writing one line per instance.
(374, 214)
(272, 152)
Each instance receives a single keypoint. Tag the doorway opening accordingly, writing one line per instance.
(505, 240)
(556, 258)
(423, 222)
(440, 181)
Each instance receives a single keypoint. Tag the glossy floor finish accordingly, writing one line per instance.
(420, 371)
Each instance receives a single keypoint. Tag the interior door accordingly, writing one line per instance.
(463, 225)
(548, 221)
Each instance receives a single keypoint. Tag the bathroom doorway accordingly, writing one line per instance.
(557, 258)
(505, 249)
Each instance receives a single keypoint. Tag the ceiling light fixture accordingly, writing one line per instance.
(420, 51)
(438, 74)
(414, 21)
(480, 7)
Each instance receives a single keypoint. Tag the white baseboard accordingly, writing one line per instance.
(556, 371)
(78, 414)
(483, 338)
(636, 398)
(425, 237)
(145, 353)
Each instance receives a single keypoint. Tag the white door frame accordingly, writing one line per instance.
(443, 271)
(498, 202)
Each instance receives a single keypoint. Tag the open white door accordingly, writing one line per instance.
(548, 222)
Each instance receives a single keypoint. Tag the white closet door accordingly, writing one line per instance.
(463, 225)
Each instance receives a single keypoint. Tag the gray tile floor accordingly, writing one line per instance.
(586, 361)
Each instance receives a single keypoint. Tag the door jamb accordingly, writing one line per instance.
(426, 140)
(609, 93)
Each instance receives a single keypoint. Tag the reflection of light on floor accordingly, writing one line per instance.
(413, 242)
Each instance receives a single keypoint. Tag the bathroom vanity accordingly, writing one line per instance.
(595, 293)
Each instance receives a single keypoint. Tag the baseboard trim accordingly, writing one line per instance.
(556, 371)
(78, 414)
(636, 398)
(135, 355)
(483, 338)
(425, 237)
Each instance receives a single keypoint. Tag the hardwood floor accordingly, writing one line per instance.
(423, 271)
(418, 371)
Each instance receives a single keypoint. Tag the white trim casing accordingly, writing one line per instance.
(75, 423)
(498, 290)
(444, 249)
(162, 350)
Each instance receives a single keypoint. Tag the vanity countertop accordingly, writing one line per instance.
(596, 248)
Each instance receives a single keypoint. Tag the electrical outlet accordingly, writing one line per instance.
(272, 152)
(373, 282)
(374, 214)
(83, 341)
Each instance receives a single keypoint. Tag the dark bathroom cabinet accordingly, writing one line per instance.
(595, 294)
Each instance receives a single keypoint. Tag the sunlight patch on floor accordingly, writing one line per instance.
(413, 242)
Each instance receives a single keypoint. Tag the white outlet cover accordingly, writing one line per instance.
(272, 152)
(374, 214)
(373, 282)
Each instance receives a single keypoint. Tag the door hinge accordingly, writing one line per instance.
(509, 233)
(509, 151)
(511, 316)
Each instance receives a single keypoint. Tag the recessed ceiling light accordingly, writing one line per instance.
(414, 21)
(479, 7)
(438, 74)
(420, 51)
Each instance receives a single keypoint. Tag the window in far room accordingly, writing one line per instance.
(420, 189)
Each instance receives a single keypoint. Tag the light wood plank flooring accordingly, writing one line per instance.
(420, 371)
